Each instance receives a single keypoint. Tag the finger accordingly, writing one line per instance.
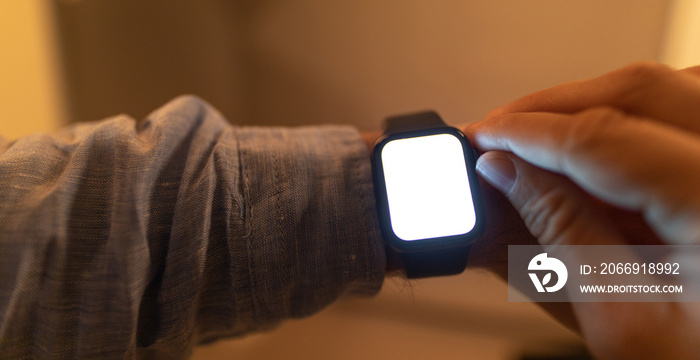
(692, 71)
(554, 210)
(635, 164)
(630, 224)
(503, 227)
(498, 235)
(644, 89)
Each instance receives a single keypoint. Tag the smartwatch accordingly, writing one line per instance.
(428, 199)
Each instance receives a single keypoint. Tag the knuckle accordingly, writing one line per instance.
(550, 216)
(644, 71)
(599, 117)
(637, 79)
(592, 137)
(591, 130)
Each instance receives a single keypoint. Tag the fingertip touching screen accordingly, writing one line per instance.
(427, 187)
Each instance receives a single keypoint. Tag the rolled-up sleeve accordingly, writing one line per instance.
(122, 241)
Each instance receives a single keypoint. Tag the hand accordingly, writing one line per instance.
(627, 144)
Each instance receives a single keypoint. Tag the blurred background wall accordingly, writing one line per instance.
(32, 97)
(274, 62)
(312, 61)
(315, 61)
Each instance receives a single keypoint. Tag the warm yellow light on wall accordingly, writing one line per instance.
(681, 47)
(30, 79)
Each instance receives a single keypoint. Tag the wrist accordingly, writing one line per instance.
(370, 137)
(393, 262)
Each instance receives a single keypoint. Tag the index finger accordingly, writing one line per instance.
(644, 89)
(632, 163)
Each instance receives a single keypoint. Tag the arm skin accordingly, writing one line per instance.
(622, 146)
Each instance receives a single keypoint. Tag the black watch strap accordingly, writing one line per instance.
(435, 263)
(417, 121)
(442, 262)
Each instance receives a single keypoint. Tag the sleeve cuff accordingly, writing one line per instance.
(313, 234)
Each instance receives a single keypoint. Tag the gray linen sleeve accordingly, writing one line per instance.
(118, 241)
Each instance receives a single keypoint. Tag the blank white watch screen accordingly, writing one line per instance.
(428, 187)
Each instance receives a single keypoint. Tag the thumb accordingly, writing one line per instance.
(553, 208)
(557, 212)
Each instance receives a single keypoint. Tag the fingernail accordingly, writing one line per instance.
(498, 170)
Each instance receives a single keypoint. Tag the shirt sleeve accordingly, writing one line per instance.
(122, 241)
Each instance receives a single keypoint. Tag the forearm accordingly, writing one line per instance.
(115, 240)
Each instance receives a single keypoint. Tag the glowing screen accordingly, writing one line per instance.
(427, 187)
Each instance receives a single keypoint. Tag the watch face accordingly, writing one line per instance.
(427, 190)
